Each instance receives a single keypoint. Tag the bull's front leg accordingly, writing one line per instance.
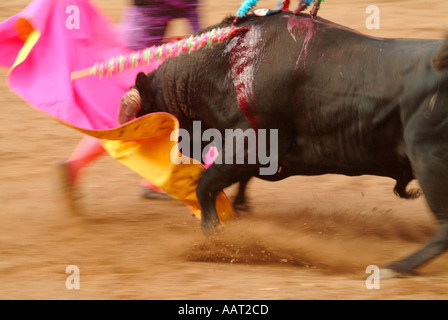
(212, 182)
(220, 175)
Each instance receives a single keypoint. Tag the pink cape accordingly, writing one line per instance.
(43, 78)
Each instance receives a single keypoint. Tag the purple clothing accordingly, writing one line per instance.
(144, 24)
(179, 4)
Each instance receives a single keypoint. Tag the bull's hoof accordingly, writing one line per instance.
(211, 228)
(397, 269)
(411, 194)
(415, 193)
(391, 274)
(241, 209)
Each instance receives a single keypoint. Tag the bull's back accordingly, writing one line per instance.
(339, 94)
(334, 95)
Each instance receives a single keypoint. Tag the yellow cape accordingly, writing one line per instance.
(144, 145)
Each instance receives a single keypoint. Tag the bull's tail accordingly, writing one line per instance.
(440, 60)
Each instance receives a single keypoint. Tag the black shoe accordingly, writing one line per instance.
(152, 194)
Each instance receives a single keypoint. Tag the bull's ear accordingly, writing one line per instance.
(143, 86)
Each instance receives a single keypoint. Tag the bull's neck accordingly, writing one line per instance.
(170, 91)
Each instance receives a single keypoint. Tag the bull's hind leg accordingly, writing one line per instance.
(240, 200)
(430, 167)
(436, 246)
(402, 183)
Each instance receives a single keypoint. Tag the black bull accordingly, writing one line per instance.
(343, 103)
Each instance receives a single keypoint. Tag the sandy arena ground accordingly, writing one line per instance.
(306, 237)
